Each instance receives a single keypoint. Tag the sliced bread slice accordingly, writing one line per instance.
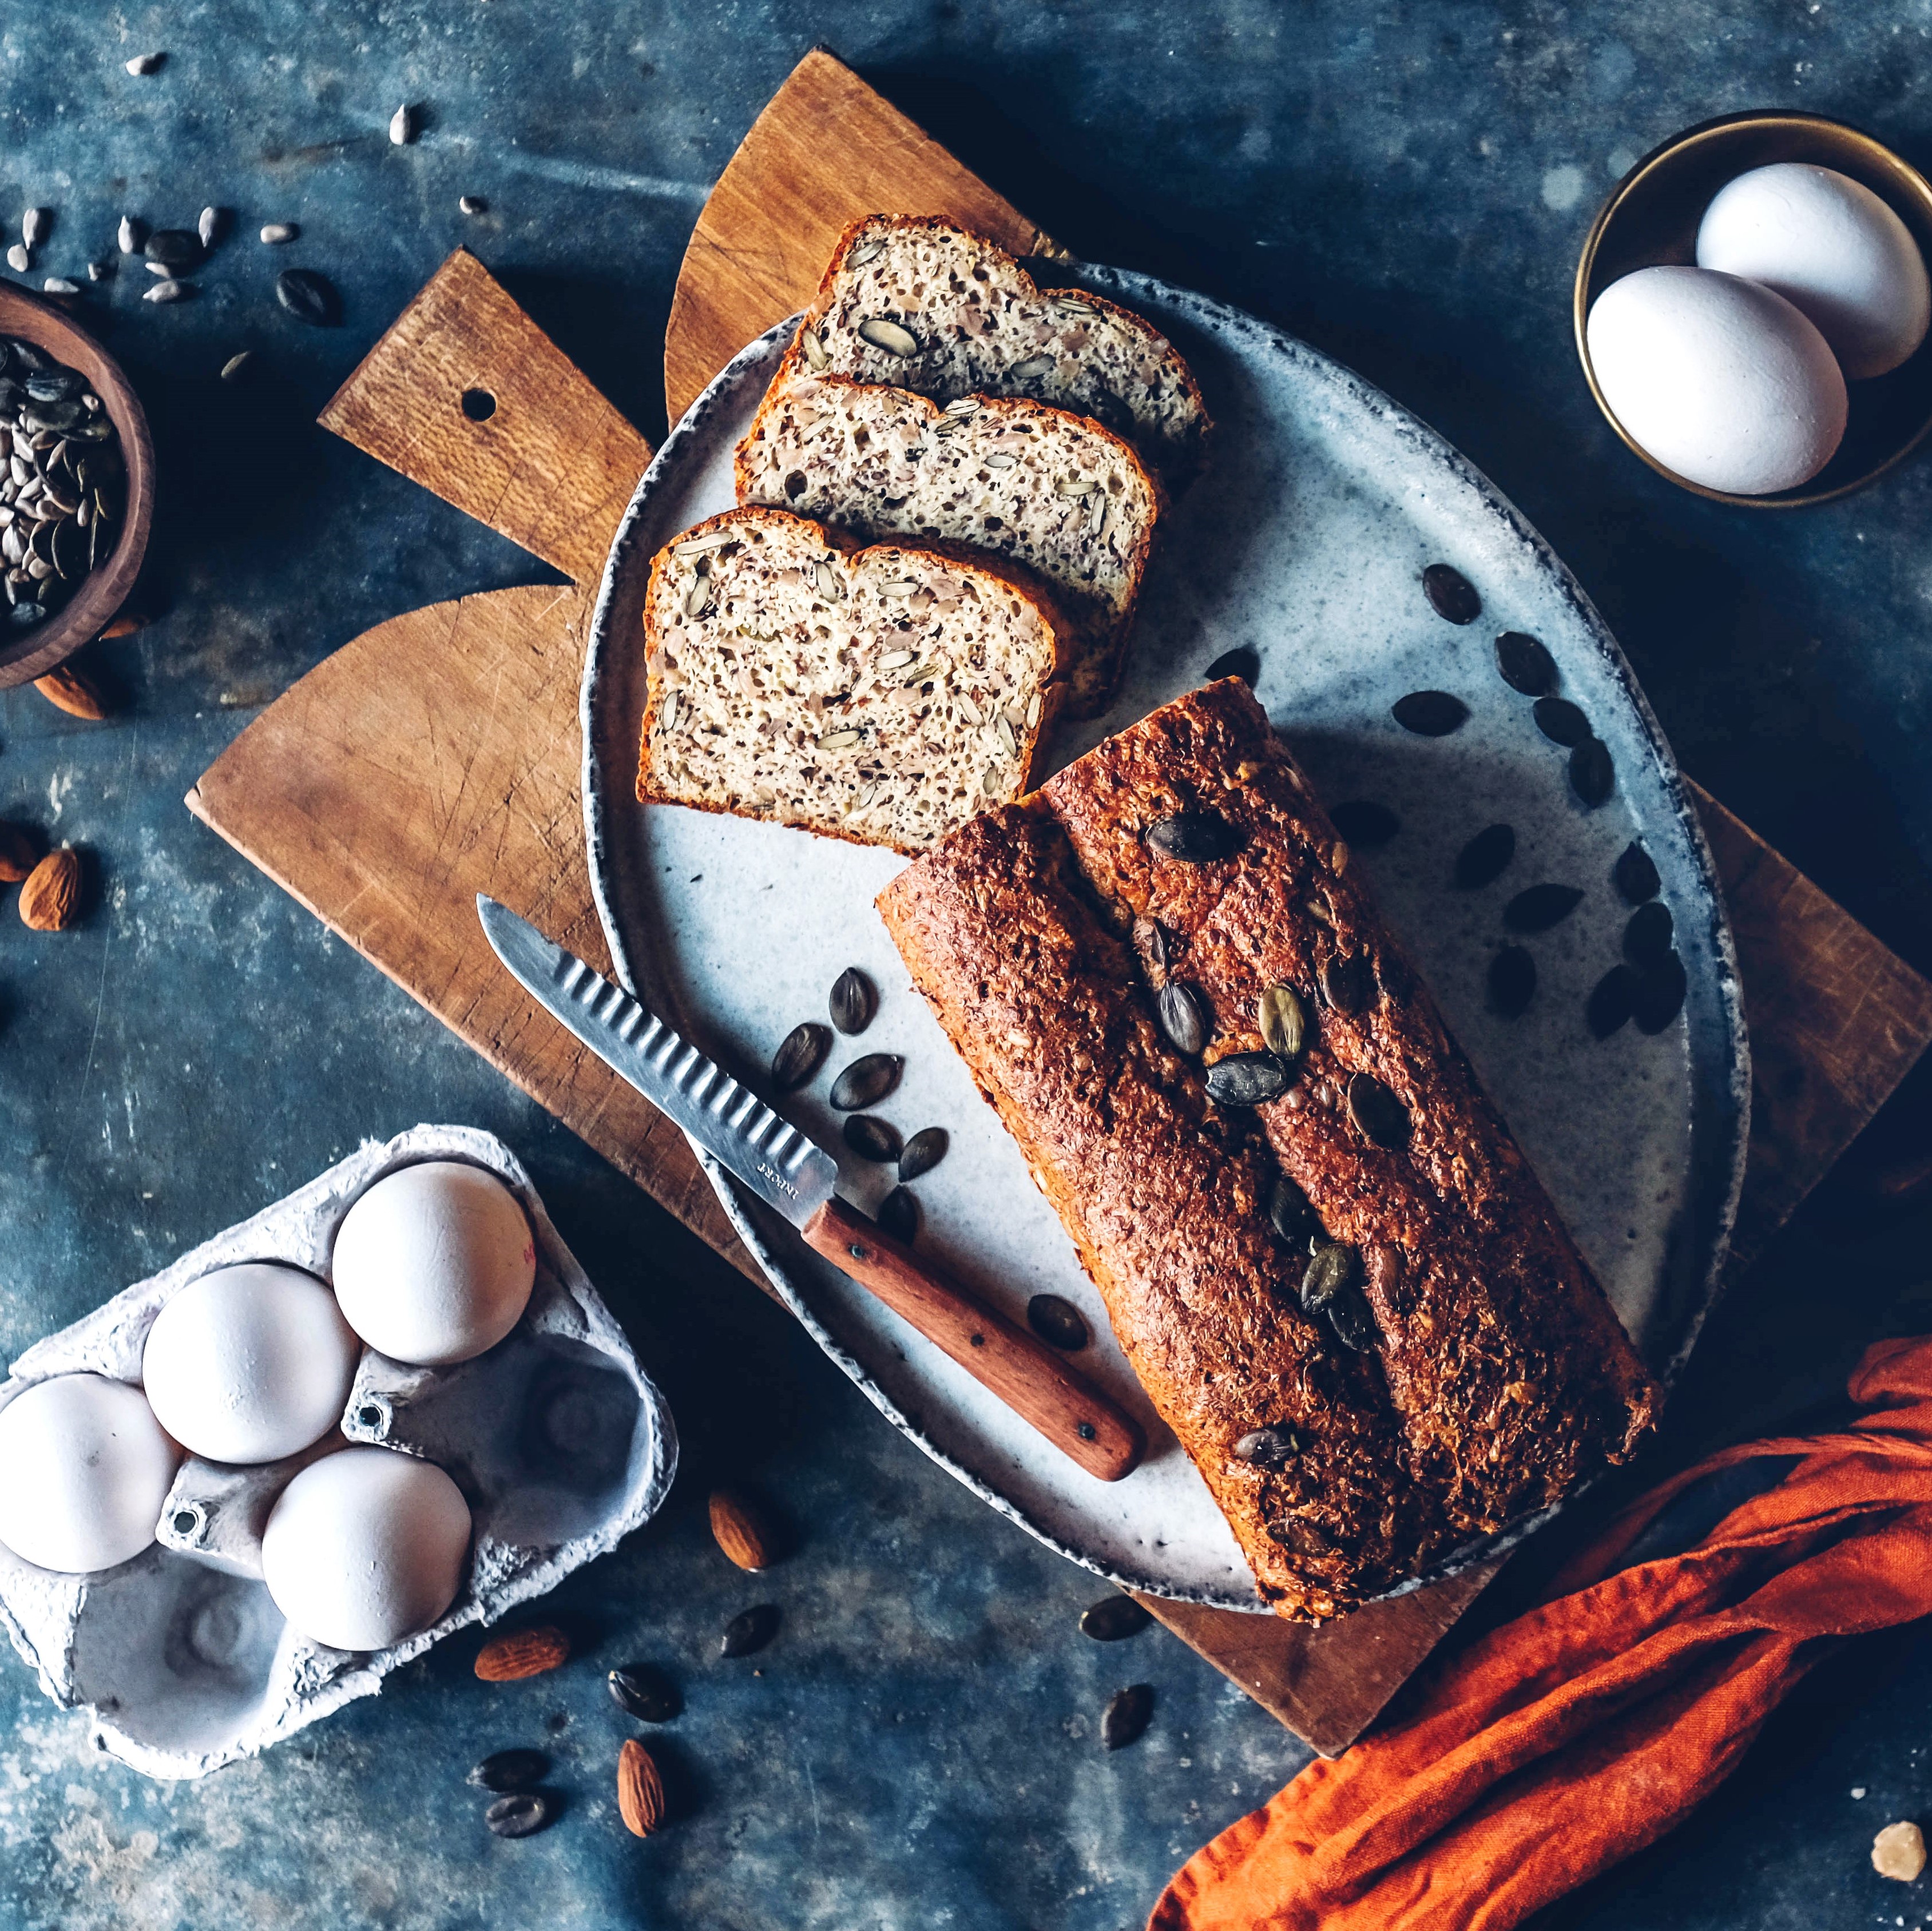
(881, 694)
(1050, 491)
(916, 302)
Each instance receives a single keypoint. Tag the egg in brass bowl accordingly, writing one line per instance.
(1652, 216)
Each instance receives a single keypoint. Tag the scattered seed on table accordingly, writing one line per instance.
(1609, 1005)
(18, 260)
(1592, 774)
(1540, 907)
(1430, 714)
(143, 64)
(1452, 594)
(1128, 1713)
(865, 1081)
(472, 204)
(872, 1138)
(212, 226)
(1647, 936)
(36, 225)
(1511, 982)
(898, 1215)
(1658, 995)
(132, 235)
(1560, 721)
(853, 1000)
(1635, 875)
(750, 1630)
(309, 296)
(1114, 1618)
(236, 365)
(1365, 824)
(1486, 857)
(276, 233)
(800, 1054)
(157, 267)
(643, 1692)
(521, 1814)
(510, 1770)
(923, 1152)
(169, 290)
(403, 125)
(60, 285)
(1243, 661)
(1525, 664)
(99, 271)
(1057, 1322)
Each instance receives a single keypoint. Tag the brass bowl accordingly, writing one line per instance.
(1652, 215)
(26, 655)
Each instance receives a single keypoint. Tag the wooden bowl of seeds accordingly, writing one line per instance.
(77, 496)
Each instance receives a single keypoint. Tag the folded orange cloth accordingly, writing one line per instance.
(1565, 1740)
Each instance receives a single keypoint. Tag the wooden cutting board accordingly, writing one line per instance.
(437, 756)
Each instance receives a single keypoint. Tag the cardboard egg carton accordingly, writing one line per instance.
(558, 1441)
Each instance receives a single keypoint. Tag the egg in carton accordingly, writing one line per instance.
(559, 1442)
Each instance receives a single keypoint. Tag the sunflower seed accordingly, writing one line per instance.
(1592, 774)
(1486, 857)
(169, 290)
(59, 285)
(1365, 824)
(1268, 1447)
(866, 1081)
(1331, 1268)
(890, 336)
(872, 1138)
(1511, 982)
(1525, 664)
(899, 587)
(1353, 1320)
(1379, 1116)
(1057, 1322)
(522, 1814)
(698, 598)
(923, 1152)
(1182, 1017)
(1635, 875)
(643, 1692)
(1032, 369)
(274, 233)
(510, 1770)
(1347, 984)
(1430, 714)
(99, 271)
(750, 1630)
(1150, 940)
(1610, 1002)
(800, 1054)
(143, 64)
(1114, 1618)
(1452, 594)
(1243, 661)
(1289, 1213)
(999, 461)
(814, 349)
(472, 204)
(1560, 721)
(1540, 907)
(853, 999)
(309, 296)
(1075, 486)
(36, 225)
(212, 226)
(131, 234)
(1128, 1713)
(1246, 1079)
(233, 369)
(1647, 937)
(1659, 995)
(403, 125)
(898, 1215)
(1282, 1021)
(1195, 837)
(18, 260)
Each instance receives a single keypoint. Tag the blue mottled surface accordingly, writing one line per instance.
(1406, 186)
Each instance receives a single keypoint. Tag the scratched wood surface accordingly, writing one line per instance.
(437, 756)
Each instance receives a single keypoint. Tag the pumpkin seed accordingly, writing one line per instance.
(1058, 1323)
(872, 1138)
(1659, 995)
(1560, 721)
(1282, 1023)
(1353, 1320)
(522, 1814)
(1268, 1447)
(1113, 1618)
(1647, 936)
(1129, 1712)
(899, 587)
(1009, 744)
(1610, 1002)
(642, 1692)
(1486, 857)
(890, 336)
(698, 598)
(711, 539)
(1511, 982)
(1243, 661)
(1150, 947)
(1289, 1213)
(1331, 1268)
(1365, 824)
(961, 407)
(1540, 907)
(999, 461)
(1182, 1017)
(923, 1152)
(1246, 1079)
(854, 999)
(866, 1081)
(1524, 664)
(839, 740)
(800, 1054)
(898, 1215)
(1195, 837)
(1032, 369)
(1452, 593)
(750, 1630)
(814, 349)
(667, 717)
(864, 252)
(1379, 1116)
(1430, 714)
(309, 296)
(1593, 775)
(829, 585)
(1634, 874)
(1347, 983)
(510, 1770)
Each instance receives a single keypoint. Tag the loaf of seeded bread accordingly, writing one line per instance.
(880, 694)
(1051, 492)
(917, 303)
(1338, 1281)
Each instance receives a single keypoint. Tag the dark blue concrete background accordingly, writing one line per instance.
(1407, 186)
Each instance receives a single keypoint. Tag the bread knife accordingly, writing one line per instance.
(789, 1171)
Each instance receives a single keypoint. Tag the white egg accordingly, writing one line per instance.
(365, 1547)
(434, 1264)
(250, 1363)
(84, 1469)
(1721, 380)
(1830, 247)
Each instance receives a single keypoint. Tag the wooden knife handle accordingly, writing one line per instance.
(1032, 1380)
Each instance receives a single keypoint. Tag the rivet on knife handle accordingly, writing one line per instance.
(1032, 1380)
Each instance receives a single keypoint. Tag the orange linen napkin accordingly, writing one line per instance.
(1565, 1740)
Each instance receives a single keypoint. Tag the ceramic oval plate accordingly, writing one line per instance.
(1304, 541)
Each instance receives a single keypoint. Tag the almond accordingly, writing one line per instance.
(19, 852)
(743, 1531)
(640, 1792)
(73, 691)
(51, 896)
(518, 1654)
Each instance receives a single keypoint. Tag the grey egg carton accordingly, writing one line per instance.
(560, 1441)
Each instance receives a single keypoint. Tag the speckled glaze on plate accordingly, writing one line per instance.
(1305, 540)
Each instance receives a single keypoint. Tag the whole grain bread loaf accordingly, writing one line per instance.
(916, 302)
(880, 694)
(1052, 492)
(1352, 1301)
